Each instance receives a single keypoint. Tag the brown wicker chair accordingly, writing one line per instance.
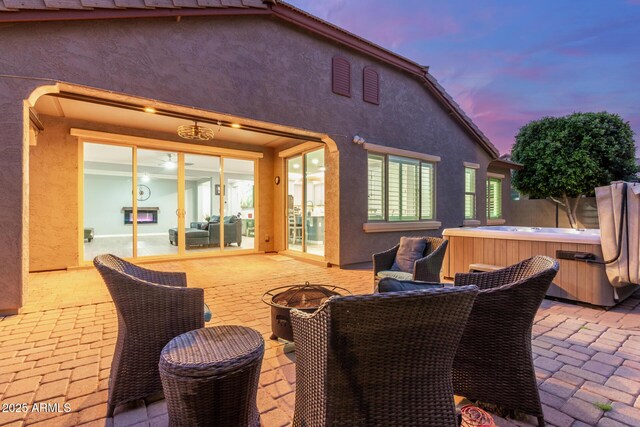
(153, 307)
(493, 363)
(426, 269)
(379, 360)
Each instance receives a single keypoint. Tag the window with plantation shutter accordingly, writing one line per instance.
(376, 193)
(341, 76)
(400, 188)
(494, 198)
(469, 193)
(370, 86)
(404, 186)
(426, 187)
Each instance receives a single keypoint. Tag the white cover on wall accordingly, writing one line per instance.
(619, 206)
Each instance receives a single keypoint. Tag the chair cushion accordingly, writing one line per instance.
(398, 275)
(207, 313)
(389, 284)
(411, 249)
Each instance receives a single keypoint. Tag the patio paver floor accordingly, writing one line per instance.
(59, 348)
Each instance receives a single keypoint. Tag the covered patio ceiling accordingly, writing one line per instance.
(161, 121)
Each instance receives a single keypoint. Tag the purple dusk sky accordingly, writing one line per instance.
(509, 62)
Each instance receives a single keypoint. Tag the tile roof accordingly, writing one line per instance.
(30, 5)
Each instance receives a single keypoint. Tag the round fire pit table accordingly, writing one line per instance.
(305, 297)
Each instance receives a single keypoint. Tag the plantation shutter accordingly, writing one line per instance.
(470, 193)
(494, 195)
(427, 191)
(404, 184)
(376, 186)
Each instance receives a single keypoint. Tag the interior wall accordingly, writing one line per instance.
(53, 198)
(54, 190)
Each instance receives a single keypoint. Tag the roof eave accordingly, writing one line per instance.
(506, 164)
(97, 14)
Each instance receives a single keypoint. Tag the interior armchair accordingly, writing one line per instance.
(153, 307)
(426, 264)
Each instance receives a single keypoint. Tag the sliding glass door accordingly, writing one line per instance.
(305, 203)
(202, 202)
(107, 208)
(157, 202)
(142, 202)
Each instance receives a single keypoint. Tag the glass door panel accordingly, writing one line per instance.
(158, 209)
(314, 202)
(239, 210)
(108, 201)
(202, 202)
(295, 202)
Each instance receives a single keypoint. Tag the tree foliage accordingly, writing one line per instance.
(567, 157)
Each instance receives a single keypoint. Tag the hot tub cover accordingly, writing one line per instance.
(619, 218)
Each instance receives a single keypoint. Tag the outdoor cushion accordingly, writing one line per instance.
(389, 284)
(207, 313)
(398, 275)
(411, 249)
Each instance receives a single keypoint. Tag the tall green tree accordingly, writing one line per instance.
(565, 158)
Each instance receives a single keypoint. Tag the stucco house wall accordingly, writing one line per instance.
(251, 66)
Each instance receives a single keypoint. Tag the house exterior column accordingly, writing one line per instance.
(14, 193)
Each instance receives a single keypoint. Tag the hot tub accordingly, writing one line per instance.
(577, 280)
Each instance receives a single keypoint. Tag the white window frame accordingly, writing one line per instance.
(495, 220)
(473, 194)
(384, 224)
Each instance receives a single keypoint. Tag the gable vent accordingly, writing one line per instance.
(370, 86)
(341, 76)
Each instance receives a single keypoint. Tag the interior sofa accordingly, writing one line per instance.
(202, 233)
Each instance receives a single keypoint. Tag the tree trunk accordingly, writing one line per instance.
(571, 209)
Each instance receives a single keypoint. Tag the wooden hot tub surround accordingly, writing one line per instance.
(577, 280)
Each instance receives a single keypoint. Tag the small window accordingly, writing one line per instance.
(341, 76)
(469, 193)
(370, 86)
(494, 198)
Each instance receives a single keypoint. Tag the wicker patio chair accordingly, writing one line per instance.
(153, 307)
(493, 363)
(426, 269)
(379, 360)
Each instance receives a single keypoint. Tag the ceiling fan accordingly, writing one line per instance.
(169, 162)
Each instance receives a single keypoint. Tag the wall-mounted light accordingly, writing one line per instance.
(358, 140)
(149, 110)
(236, 125)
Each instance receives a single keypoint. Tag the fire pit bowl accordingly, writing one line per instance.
(305, 297)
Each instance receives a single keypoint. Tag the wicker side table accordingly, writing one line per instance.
(210, 376)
